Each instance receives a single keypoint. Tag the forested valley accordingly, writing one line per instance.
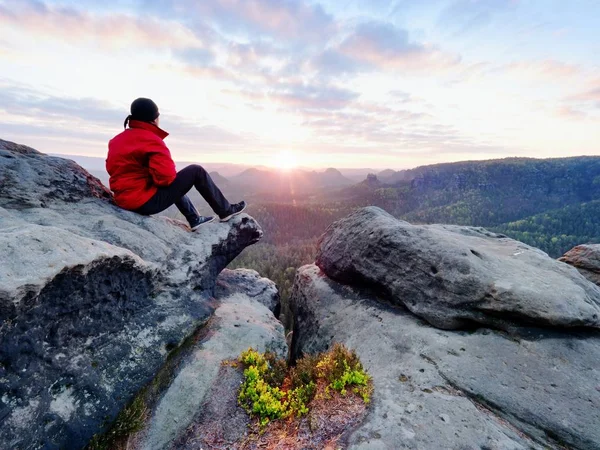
(550, 204)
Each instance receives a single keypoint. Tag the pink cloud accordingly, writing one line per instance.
(288, 18)
(549, 69)
(568, 112)
(69, 23)
(589, 95)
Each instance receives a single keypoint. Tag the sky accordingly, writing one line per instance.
(356, 83)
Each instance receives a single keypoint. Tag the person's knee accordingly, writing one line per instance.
(198, 169)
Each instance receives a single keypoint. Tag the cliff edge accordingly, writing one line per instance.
(93, 299)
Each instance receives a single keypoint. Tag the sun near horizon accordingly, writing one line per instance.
(285, 160)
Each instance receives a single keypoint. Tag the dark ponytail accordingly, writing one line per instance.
(126, 121)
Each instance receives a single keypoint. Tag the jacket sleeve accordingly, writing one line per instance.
(161, 165)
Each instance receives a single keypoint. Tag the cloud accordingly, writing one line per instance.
(256, 57)
(385, 46)
(284, 18)
(209, 135)
(298, 96)
(313, 97)
(196, 57)
(584, 104)
(551, 70)
(568, 112)
(68, 23)
(399, 96)
(18, 100)
(589, 95)
(527, 72)
(331, 61)
(462, 16)
(49, 116)
(245, 65)
(369, 123)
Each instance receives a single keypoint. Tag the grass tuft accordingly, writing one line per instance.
(130, 420)
(270, 391)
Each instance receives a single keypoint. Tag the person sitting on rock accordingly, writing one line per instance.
(143, 176)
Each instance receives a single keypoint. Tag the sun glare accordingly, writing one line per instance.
(285, 160)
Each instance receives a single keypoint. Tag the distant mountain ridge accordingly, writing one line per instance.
(492, 193)
(97, 163)
(291, 181)
(237, 178)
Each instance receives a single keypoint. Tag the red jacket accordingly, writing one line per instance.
(138, 163)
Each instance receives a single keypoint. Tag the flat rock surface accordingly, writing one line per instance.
(93, 298)
(454, 276)
(434, 389)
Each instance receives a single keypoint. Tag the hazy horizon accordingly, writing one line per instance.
(234, 169)
(317, 84)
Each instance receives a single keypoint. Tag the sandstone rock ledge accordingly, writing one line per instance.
(200, 402)
(516, 369)
(92, 298)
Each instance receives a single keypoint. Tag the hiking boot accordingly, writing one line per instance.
(200, 220)
(234, 210)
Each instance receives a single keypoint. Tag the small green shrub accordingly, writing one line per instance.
(341, 367)
(277, 369)
(262, 393)
(305, 371)
(257, 396)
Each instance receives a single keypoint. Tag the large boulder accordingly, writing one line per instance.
(456, 277)
(586, 259)
(537, 388)
(93, 298)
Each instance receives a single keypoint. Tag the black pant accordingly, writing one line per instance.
(186, 179)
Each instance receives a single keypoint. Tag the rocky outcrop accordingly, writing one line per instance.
(92, 298)
(201, 400)
(538, 388)
(454, 276)
(481, 387)
(52, 179)
(586, 259)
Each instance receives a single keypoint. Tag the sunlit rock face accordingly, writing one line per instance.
(452, 366)
(92, 297)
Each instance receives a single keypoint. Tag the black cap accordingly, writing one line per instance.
(142, 109)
